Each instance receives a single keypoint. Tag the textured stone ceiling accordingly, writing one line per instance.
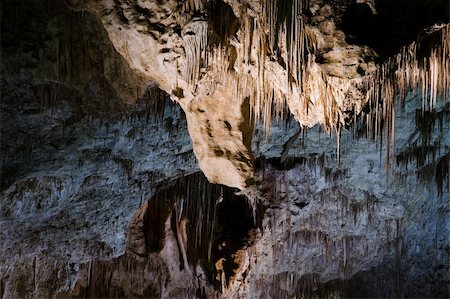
(230, 63)
(326, 123)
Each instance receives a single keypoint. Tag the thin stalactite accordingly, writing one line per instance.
(279, 33)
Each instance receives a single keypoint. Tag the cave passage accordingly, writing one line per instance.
(218, 224)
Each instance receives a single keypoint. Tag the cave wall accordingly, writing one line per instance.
(101, 194)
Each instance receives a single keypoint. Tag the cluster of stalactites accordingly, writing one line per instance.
(278, 35)
(195, 40)
(284, 19)
(279, 30)
(409, 70)
(196, 5)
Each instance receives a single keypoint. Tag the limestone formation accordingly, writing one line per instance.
(225, 149)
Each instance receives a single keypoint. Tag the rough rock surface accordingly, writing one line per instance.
(218, 59)
(164, 41)
(102, 195)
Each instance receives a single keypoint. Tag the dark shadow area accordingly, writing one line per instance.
(366, 284)
(216, 223)
(222, 23)
(53, 60)
(395, 23)
(231, 233)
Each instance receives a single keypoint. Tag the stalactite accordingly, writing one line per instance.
(180, 229)
(197, 221)
(153, 104)
(425, 65)
(338, 148)
(195, 39)
(196, 5)
(279, 33)
(292, 240)
(280, 20)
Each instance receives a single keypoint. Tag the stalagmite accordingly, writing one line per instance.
(182, 241)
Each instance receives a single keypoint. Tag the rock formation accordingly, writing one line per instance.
(225, 148)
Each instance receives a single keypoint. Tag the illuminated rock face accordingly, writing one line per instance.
(210, 57)
(118, 121)
(220, 59)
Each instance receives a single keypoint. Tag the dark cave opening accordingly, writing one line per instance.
(231, 233)
(222, 23)
(154, 225)
(216, 221)
(359, 24)
(394, 24)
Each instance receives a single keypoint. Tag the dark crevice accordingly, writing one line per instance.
(289, 162)
(218, 223)
(222, 23)
(396, 23)
(231, 233)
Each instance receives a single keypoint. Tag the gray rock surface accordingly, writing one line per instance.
(102, 195)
